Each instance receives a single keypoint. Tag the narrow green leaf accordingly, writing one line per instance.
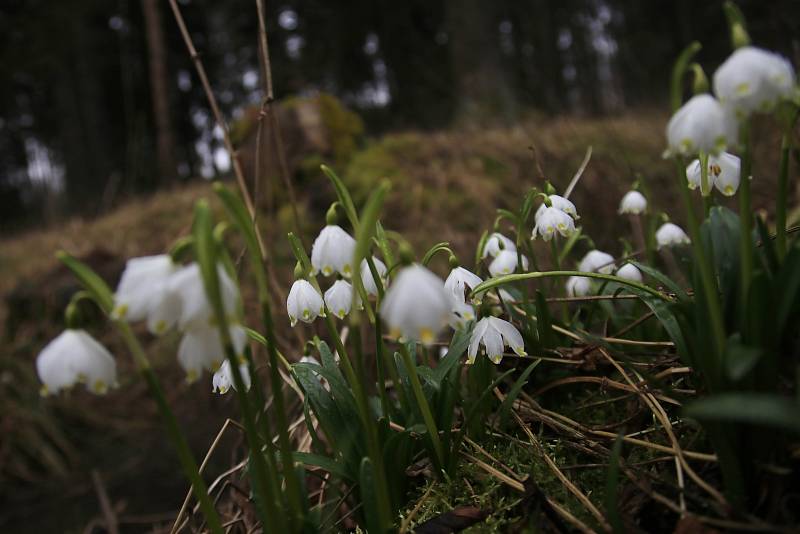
(751, 408)
(324, 462)
(544, 323)
(90, 280)
(678, 70)
(661, 277)
(514, 392)
(611, 498)
(344, 196)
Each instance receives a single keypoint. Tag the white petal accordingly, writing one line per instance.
(333, 251)
(495, 243)
(630, 272)
(416, 305)
(339, 298)
(511, 336)
(633, 203)
(366, 275)
(142, 281)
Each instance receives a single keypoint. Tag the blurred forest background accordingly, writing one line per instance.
(99, 99)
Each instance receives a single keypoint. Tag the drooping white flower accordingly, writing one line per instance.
(597, 261)
(559, 203)
(578, 286)
(304, 303)
(201, 348)
(195, 309)
(143, 279)
(366, 275)
(416, 305)
(339, 298)
(753, 79)
(700, 125)
(459, 280)
(506, 263)
(164, 311)
(494, 334)
(723, 173)
(333, 251)
(630, 272)
(495, 244)
(308, 358)
(725, 169)
(633, 203)
(670, 234)
(461, 314)
(222, 381)
(694, 174)
(553, 220)
(75, 356)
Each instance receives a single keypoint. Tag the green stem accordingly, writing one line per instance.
(374, 451)
(783, 194)
(422, 403)
(701, 261)
(557, 265)
(705, 185)
(745, 218)
(173, 430)
(510, 278)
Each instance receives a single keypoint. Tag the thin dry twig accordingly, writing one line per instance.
(109, 516)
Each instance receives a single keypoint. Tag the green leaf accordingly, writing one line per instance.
(368, 496)
(486, 285)
(344, 196)
(255, 336)
(721, 235)
(787, 289)
(383, 244)
(663, 312)
(481, 246)
(678, 70)
(661, 277)
(611, 497)
(751, 408)
(739, 358)
(90, 280)
(444, 245)
(324, 462)
(458, 345)
(514, 392)
(544, 323)
(369, 218)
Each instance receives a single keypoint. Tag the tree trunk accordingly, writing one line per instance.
(159, 89)
(481, 83)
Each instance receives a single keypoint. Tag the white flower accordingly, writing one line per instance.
(222, 380)
(578, 286)
(671, 234)
(195, 308)
(495, 244)
(142, 281)
(694, 174)
(461, 314)
(333, 251)
(366, 275)
(723, 173)
(559, 203)
(164, 311)
(597, 261)
(339, 298)
(700, 125)
(75, 356)
(459, 280)
(308, 358)
(494, 334)
(752, 79)
(506, 263)
(201, 348)
(630, 272)
(633, 203)
(553, 220)
(416, 305)
(304, 303)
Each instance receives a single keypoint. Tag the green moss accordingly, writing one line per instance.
(345, 128)
(380, 159)
(507, 507)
